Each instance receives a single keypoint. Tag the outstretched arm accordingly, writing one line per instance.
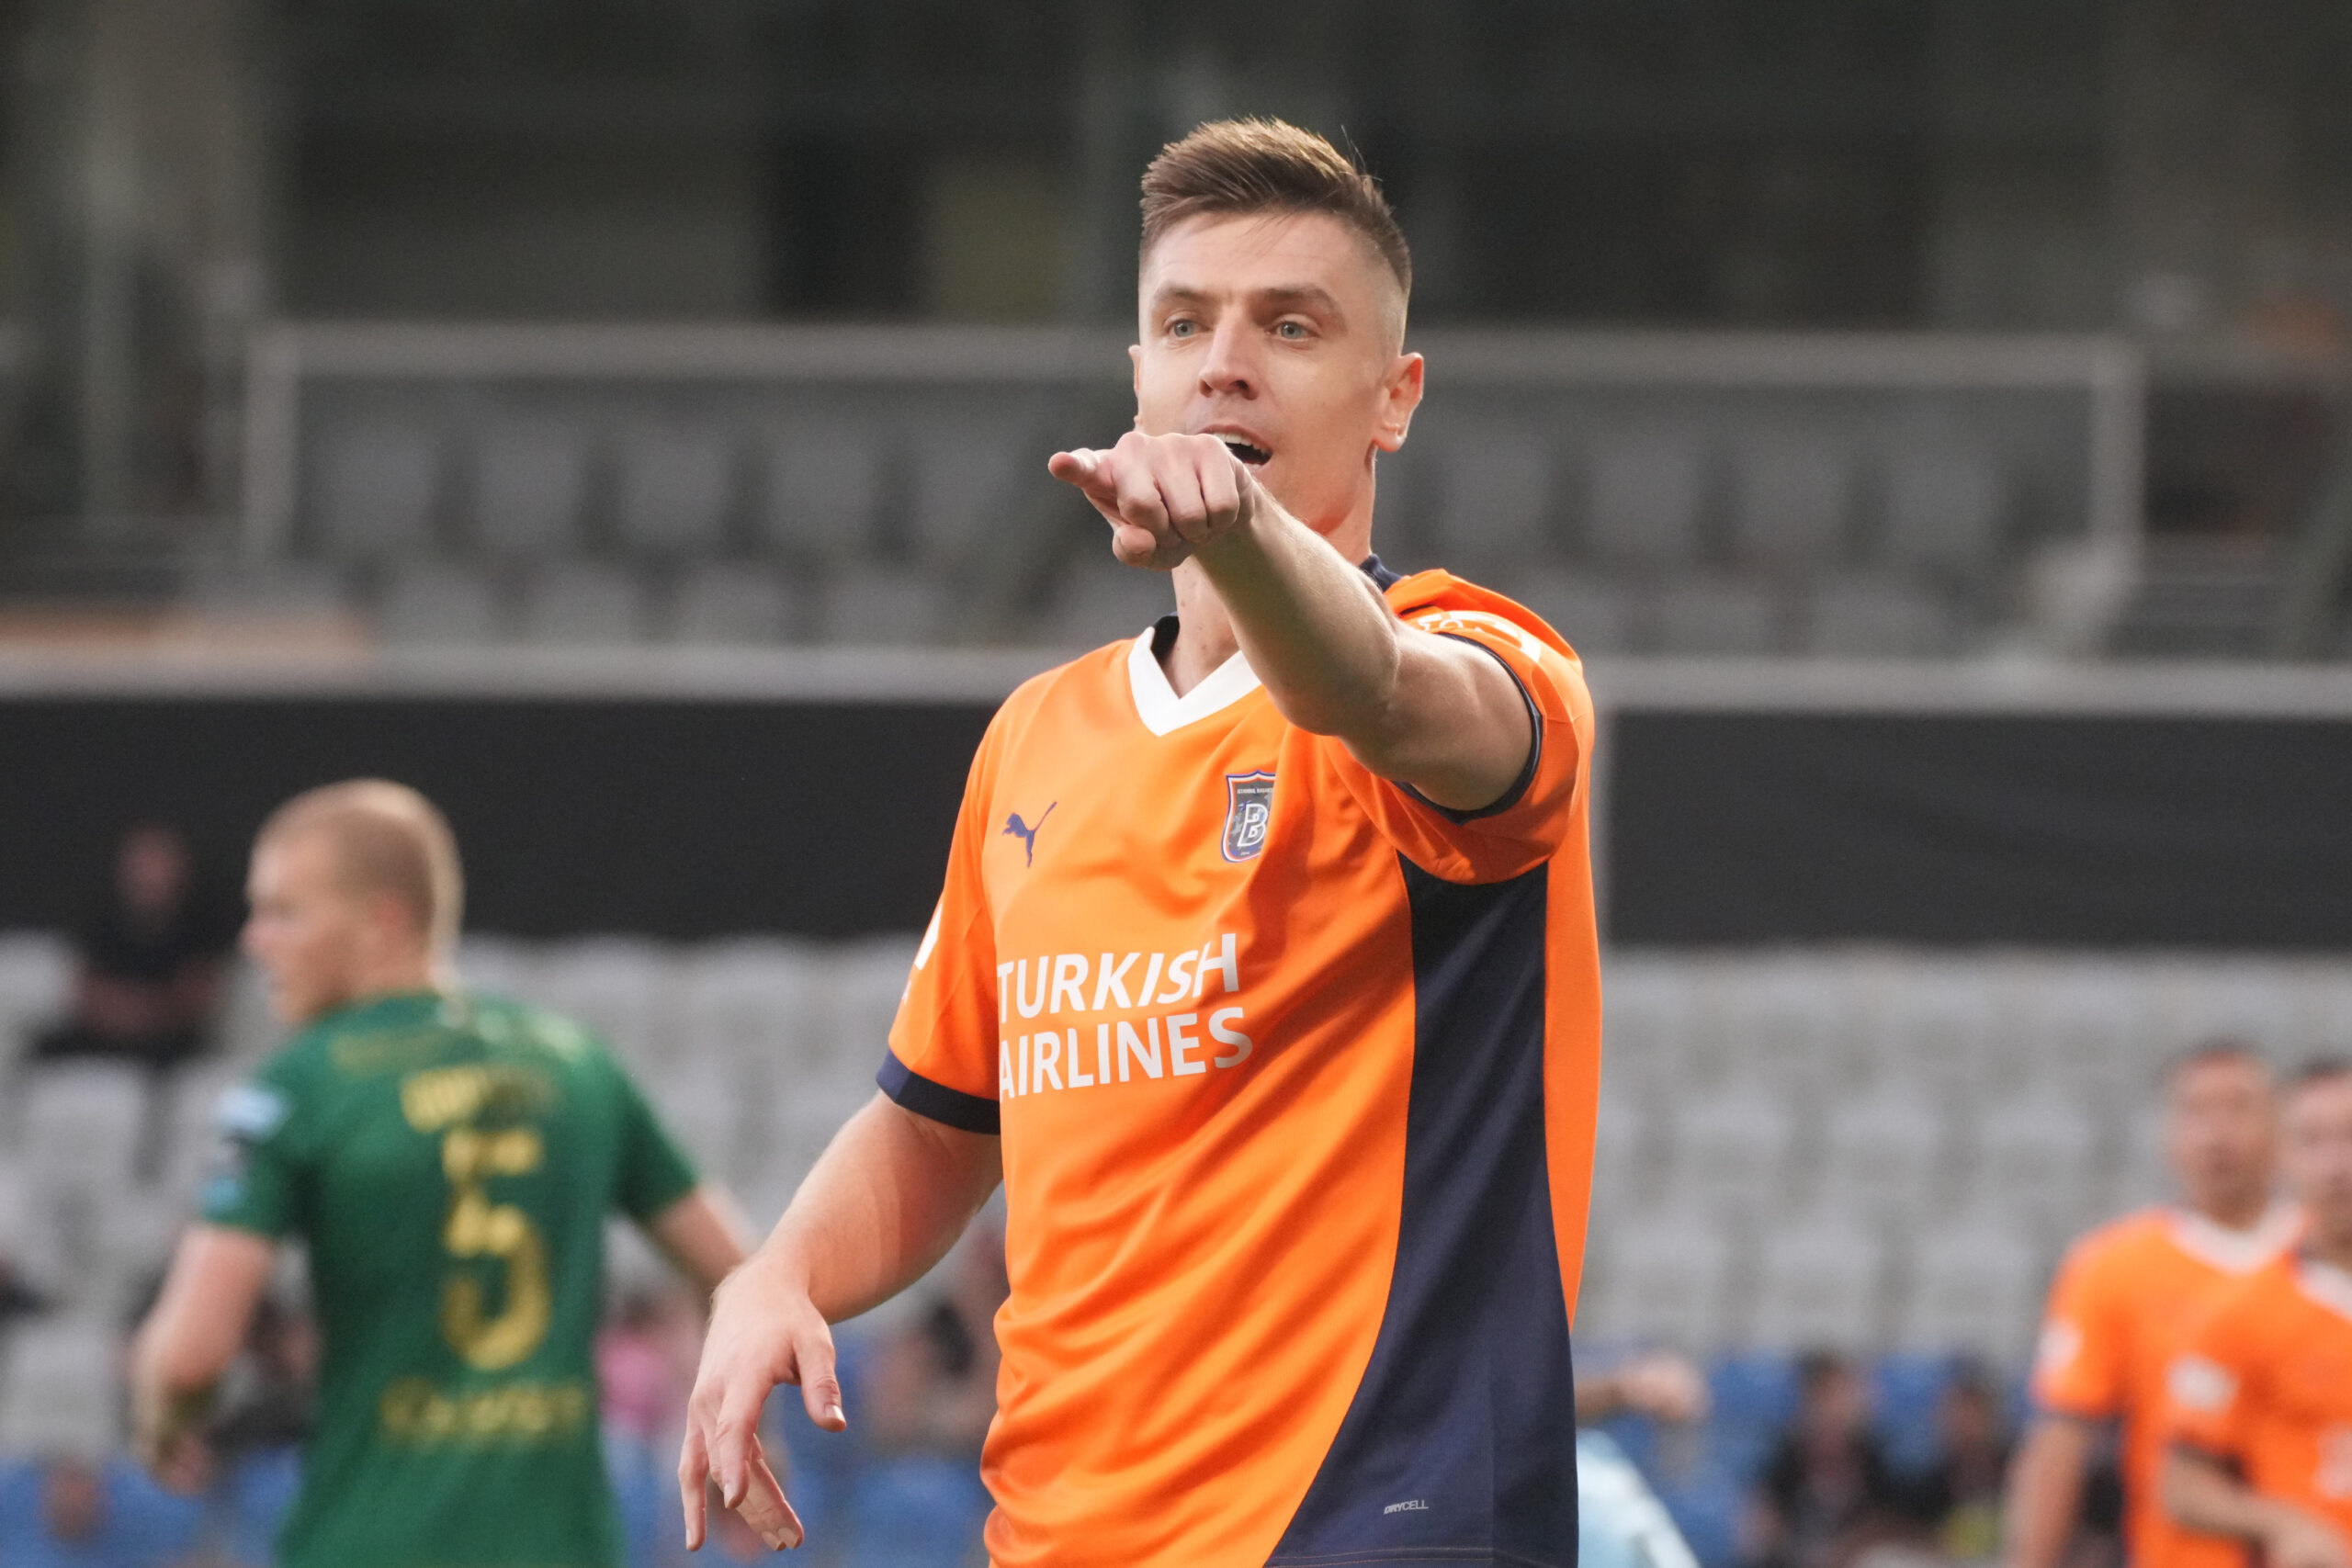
(2045, 1492)
(884, 1203)
(195, 1331)
(2203, 1495)
(1427, 711)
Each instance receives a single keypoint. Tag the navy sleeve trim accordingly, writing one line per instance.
(969, 1112)
(1526, 779)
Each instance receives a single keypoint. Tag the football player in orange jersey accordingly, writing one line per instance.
(2260, 1409)
(2122, 1300)
(1264, 979)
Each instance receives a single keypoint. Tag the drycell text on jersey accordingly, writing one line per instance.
(1166, 1045)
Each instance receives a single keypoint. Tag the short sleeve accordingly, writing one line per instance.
(2081, 1365)
(2209, 1395)
(259, 1162)
(1527, 826)
(653, 1172)
(942, 1061)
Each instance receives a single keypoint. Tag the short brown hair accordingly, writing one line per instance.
(1240, 166)
(390, 840)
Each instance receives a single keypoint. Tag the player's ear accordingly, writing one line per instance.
(1400, 397)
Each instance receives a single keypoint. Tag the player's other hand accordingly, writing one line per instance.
(1664, 1387)
(763, 1331)
(1164, 496)
(2296, 1540)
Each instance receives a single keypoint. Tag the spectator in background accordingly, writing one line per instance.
(1958, 1499)
(151, 960)
(934, 1386)
(1826, 1493)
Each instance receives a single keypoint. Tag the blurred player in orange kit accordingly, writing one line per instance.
(1264, 979)
(2125, 1295)
(2259, 1422)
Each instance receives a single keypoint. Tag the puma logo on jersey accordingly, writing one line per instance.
(1016, 828)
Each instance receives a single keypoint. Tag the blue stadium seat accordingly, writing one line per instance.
(253, 1504)
(1906, 1388)
(917, 1512)
(1755, 1397)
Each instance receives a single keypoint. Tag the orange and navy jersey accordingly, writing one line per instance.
(2265, 1385)
(2120, 1313)
(1294, 1075)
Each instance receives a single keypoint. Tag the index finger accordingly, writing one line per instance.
(693, 1486)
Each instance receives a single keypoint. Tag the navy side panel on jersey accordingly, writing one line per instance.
(1460, 1445)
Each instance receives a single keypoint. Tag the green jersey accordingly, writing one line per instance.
(449, 1160)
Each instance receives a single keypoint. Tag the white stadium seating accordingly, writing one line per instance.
(1865, 1148)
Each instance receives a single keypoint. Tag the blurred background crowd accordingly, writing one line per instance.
(1926, 415)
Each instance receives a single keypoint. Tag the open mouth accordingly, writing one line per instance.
(1253, 455)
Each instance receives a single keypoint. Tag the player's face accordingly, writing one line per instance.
(1279, 331)
(2319, 1155)
(306, 931)
(2222, 1130)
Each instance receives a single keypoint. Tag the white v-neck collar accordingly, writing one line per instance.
(2235, 1251)
(1161, 710)
(2325, 1283)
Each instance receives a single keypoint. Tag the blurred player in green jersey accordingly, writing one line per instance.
(449, 1160)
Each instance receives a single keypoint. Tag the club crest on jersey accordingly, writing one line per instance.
(1248, 810)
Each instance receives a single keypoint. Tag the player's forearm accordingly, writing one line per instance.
(1325, 645)
(2045, 1493)
(2203, 1497)
(886, 1201)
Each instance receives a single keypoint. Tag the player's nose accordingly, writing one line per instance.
(1229, 367)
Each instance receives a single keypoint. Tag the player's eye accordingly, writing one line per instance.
(1290, 332)
(1183, 328)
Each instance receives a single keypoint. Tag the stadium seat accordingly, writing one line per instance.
(2088, 1031)
(252, 1501)
(1790, 496)
(677, 488)
(1935, 1029)
(1620, 1166)
(820, 490)
(2035, 1158)
(915, 1511)
(1495, 497)
(80, 1125)
(530, 484)
(1717, 616)
(1858, 616)
(1595, 613)
(1666, 1285)
(1785, 1023)
(1644, 497)
(577, 603)
(1944, 508)
(1648, 1008)
(869, 604)
(1731, 1152)
(2242, 999)
(734, 603)
(36, 982)
(437, 604)
(965, 479)
(620, 989)
(1098, 601)
(1819, 1284)
(192, 1127)
(1907, 1389)
(1884, 1157)
(375, 486)
(56, 1388)
(1975, 1289)
(498, 966)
